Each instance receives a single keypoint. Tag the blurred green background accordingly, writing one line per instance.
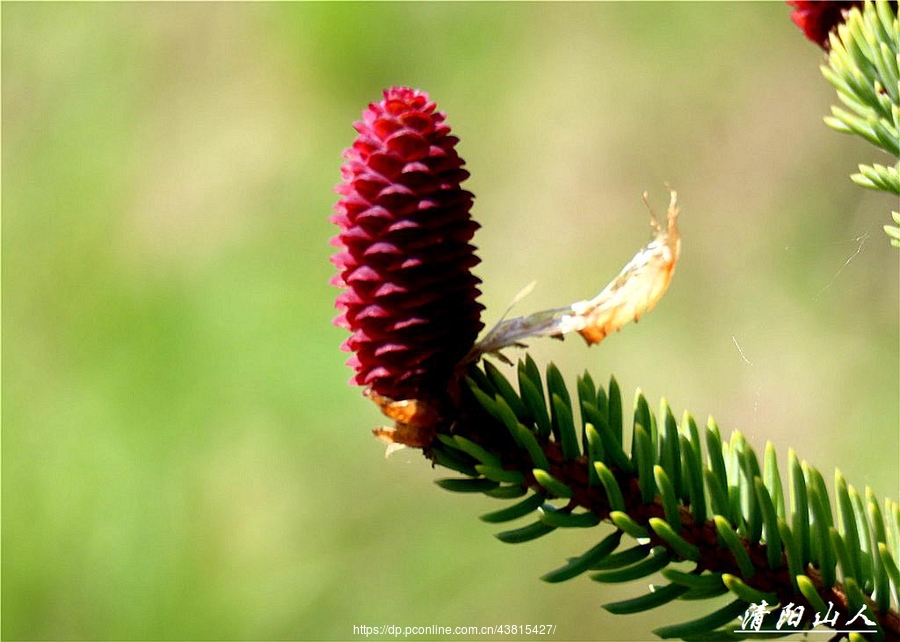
(182, 455)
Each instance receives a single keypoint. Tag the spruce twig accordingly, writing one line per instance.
(751, 544)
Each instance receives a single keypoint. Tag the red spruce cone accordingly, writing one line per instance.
(818, 17)
(405, 255)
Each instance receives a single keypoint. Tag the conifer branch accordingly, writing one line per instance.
(726, 513)
(864, 67)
